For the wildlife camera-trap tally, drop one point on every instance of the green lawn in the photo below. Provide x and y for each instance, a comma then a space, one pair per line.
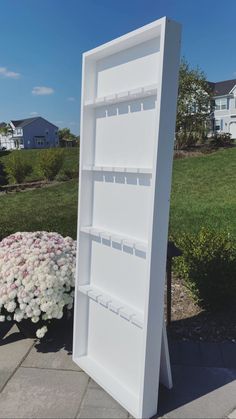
52, 209
203, 194
71, 160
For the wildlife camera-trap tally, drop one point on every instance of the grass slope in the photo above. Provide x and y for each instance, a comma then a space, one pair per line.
53, 208
203, 194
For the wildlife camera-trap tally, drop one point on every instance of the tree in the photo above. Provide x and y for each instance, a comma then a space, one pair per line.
66, 137
5, 129
194, 106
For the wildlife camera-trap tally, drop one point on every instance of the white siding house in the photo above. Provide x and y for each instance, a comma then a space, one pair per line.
6, 141
224, 115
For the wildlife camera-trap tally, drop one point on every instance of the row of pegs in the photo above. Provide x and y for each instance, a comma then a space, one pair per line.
137, 93
113, 305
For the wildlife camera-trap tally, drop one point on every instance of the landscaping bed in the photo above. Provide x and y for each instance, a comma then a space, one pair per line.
190, 322
20, 187
16, 187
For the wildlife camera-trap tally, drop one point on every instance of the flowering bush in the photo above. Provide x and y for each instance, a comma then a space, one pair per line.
37, 275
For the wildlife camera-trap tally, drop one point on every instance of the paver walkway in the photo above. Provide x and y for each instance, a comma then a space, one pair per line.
39, 380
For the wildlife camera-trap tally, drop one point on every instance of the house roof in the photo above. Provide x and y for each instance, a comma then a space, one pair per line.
3, 124
222, 88
21, 123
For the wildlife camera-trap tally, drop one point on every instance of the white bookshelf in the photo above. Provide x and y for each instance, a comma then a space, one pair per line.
129, 91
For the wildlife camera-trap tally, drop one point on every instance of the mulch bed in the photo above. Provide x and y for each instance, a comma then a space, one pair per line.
22, 187
190, 322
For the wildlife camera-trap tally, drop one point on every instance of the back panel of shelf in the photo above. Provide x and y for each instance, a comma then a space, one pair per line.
116, 204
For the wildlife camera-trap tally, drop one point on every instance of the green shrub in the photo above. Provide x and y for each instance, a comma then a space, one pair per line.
3, 175
222, 139
67, 174
17, 168
208, 267
62, 177
50, 162
71, 173
2, 180
185, 140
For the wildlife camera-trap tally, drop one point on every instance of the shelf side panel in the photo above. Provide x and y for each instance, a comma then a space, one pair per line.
162, 166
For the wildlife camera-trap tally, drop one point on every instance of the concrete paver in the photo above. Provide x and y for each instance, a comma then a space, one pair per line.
102, 412
40, 380
41, 393
12, 351
232, 415
199, 392
229, 354
190, 353
211, 354
60, 360
96, 397
98, 404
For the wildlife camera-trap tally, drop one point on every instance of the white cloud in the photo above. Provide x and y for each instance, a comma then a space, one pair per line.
33, 113
4, 72
71, 99
42, 90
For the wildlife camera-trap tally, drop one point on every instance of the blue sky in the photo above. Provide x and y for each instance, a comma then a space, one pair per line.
41, 42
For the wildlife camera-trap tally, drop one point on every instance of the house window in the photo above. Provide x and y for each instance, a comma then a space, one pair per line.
217, 125
39, 142
46, 132
192, 107
221, 104
18, 131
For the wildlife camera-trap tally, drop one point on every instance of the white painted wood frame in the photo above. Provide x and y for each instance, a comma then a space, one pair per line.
128, 113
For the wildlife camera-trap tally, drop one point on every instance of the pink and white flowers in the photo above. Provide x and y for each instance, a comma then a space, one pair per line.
37, 275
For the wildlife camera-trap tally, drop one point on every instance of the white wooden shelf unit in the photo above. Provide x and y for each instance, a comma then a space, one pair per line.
129, 91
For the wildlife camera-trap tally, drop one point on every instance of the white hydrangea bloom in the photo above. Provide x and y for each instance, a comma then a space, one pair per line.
41, 332
37, 275
10, 307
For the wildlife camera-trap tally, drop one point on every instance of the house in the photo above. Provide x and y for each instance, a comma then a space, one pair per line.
224, 115
4, 136
30, 133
